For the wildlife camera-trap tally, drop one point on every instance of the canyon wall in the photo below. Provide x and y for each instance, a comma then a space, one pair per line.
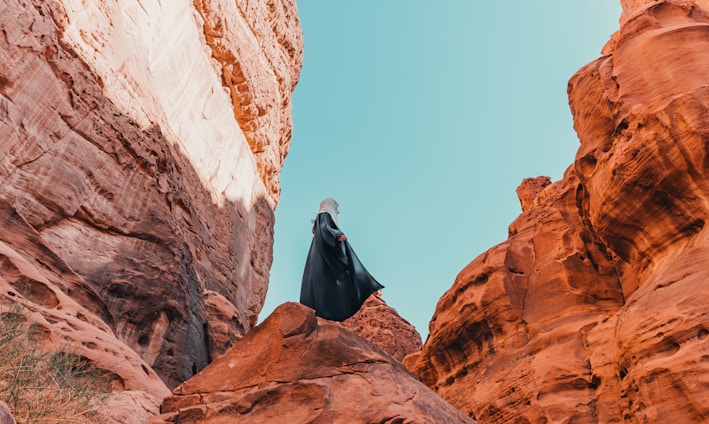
140, 146
594, 309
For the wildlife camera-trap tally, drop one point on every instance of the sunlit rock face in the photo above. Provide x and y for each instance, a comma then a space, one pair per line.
632, 7
140, 145
298, 368
506, 341
594, 309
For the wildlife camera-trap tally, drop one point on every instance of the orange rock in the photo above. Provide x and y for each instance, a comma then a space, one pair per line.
633, 7
529, 190
592, 310
261, 82
381, 325
295, 367
506, 339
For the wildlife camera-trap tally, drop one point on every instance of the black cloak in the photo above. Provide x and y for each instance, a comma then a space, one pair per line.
335, 283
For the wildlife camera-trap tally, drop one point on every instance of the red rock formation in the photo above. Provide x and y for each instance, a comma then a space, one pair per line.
632, 7
137, 217
297, 368
380, 324
260, 89
498, 336
529, 190
594, 309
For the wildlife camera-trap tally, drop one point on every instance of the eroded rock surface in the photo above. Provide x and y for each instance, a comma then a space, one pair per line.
633, 7
136, 201
594, 309
385, 328
257, 47
528, 191
297, 368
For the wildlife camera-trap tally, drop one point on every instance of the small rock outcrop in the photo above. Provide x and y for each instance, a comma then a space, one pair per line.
385, 328
528, 191
633, 7
298, 368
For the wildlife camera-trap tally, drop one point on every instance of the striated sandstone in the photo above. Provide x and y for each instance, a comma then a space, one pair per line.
594, 309
297, 368
381, 325
260, 83
215, 76
137, 214
653, 163
507, 342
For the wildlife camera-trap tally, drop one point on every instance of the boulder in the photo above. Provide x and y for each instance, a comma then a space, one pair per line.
298, 368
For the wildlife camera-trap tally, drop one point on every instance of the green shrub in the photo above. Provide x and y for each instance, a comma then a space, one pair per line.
43, 385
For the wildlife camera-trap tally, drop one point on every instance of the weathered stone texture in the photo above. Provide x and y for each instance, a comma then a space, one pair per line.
506, 340
261, 84
633, 7
297, 368
381, 325
594, 309
529, 190
137, 217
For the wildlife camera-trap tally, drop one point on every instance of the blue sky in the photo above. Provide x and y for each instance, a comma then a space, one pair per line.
421, 118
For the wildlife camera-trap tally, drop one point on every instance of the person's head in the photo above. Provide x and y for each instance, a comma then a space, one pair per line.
330, 206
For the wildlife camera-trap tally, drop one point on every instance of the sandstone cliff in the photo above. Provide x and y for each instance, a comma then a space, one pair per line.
139, 157
594, 309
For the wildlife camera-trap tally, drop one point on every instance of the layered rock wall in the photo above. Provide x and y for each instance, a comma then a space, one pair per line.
139, 153
594, 309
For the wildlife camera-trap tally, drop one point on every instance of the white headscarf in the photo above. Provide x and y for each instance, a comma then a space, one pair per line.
330, 206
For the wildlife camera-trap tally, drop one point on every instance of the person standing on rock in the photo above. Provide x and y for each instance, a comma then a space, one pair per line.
335, 283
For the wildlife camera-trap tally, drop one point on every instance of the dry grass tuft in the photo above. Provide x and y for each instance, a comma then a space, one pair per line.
43, 386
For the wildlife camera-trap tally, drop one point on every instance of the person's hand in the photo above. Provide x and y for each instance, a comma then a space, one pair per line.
341, 237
